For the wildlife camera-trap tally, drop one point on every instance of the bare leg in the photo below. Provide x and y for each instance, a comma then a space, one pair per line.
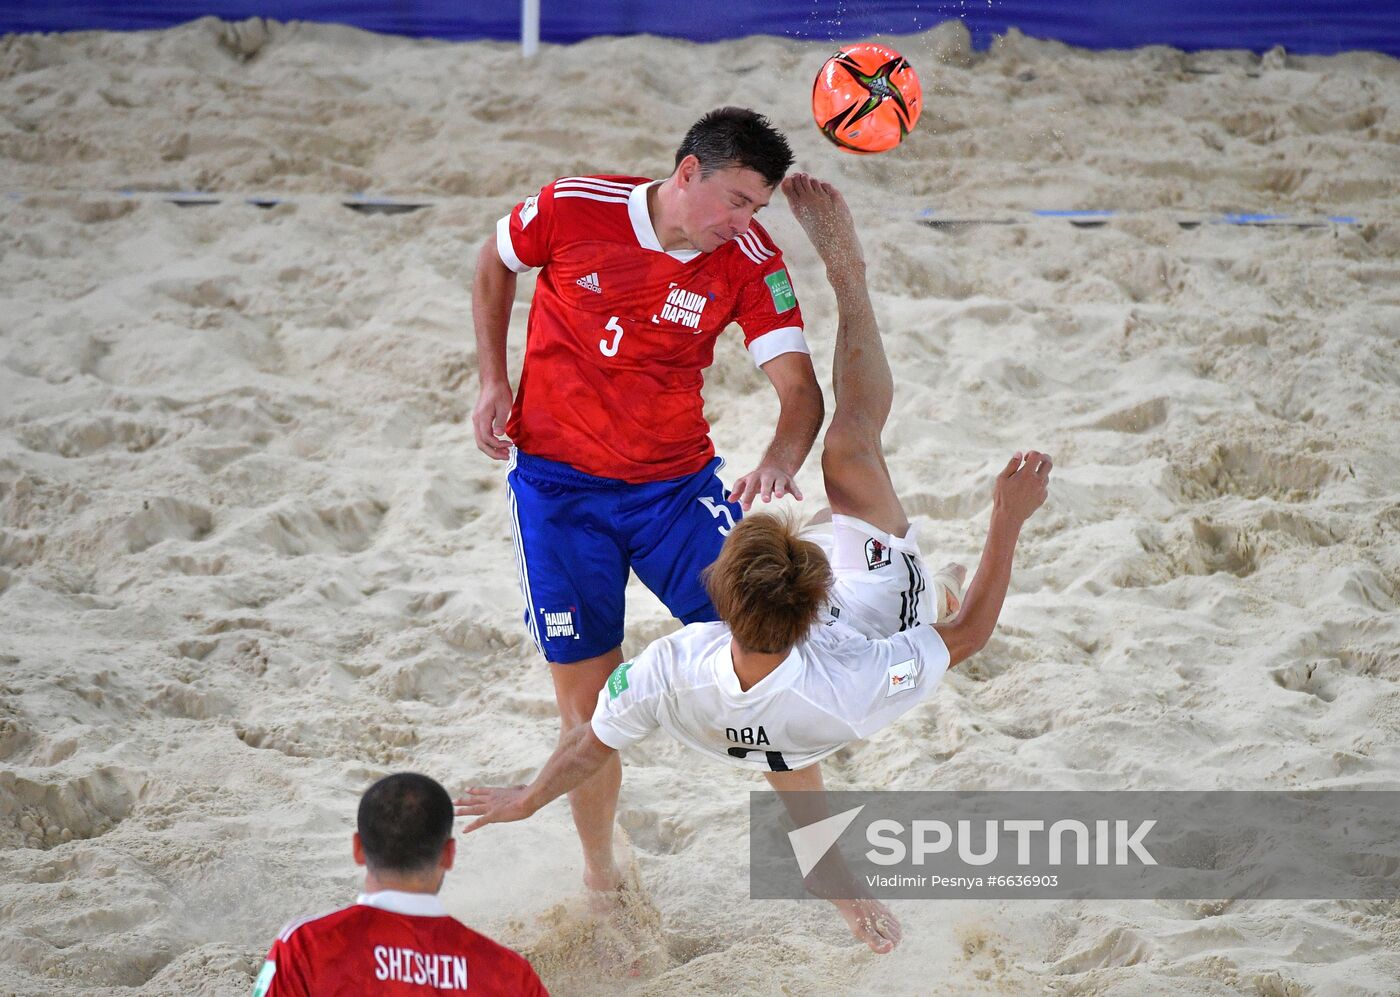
594, 804
871, 921
853, 464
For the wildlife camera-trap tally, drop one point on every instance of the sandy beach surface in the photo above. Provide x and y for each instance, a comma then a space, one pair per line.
251, 559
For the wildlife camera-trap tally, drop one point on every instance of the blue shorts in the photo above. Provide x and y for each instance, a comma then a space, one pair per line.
577, 536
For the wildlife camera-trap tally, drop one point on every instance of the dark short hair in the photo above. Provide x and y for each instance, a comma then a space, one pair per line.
768, 584
736, 136
404, 821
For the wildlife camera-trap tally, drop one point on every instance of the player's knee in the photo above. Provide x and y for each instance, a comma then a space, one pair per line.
849, 441
849, 461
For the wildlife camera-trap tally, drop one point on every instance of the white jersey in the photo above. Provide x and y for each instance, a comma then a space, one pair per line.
835, 686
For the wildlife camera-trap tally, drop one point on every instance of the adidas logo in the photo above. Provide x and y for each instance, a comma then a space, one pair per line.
590, 283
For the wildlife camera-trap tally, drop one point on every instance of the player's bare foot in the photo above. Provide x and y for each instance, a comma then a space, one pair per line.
823, 214
605, 887
627, 927
871, 922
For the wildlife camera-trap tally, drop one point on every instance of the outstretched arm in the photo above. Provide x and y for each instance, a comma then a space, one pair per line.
1020, 489
578, 756
799, 418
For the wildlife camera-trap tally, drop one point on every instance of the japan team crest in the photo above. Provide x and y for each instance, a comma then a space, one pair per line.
877, 555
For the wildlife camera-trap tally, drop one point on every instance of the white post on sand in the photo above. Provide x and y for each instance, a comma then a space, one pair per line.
529, 27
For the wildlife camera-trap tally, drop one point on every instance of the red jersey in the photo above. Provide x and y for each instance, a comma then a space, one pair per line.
621, 331
391, 943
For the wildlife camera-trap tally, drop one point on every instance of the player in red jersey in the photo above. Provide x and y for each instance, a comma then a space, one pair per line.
612, 469
396, 939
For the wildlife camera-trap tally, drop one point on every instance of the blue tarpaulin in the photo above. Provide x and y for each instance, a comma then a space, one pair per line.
1313, 27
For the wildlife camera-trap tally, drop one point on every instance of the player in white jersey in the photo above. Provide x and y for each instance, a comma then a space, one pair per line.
820, 643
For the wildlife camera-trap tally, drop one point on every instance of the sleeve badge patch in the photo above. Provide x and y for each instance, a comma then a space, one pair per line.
902, 677
781, 289
617, 681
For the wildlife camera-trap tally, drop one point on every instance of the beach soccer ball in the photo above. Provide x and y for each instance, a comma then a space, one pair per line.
866, 98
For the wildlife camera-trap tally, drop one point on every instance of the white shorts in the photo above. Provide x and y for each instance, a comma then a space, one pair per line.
882, 584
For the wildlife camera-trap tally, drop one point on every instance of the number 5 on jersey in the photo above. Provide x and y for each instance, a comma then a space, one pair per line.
717, 510
610, 349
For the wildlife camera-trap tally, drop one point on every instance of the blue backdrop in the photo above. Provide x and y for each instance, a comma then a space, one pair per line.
1304, 26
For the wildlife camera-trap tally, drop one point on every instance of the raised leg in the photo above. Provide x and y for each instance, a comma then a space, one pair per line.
853, 464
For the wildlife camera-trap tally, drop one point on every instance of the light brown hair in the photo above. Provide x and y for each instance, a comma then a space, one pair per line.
768, 584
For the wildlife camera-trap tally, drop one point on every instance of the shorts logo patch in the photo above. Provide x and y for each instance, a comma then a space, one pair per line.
877, 555
902, 677
617, 681
781, 289
559, 624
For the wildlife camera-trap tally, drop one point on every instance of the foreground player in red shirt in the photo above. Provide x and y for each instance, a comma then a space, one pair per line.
396, 939
612, 469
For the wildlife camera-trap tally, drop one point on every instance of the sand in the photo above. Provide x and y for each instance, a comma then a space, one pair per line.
250, 558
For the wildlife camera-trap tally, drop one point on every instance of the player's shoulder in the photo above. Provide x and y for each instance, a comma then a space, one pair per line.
301, 927
483, 945
693, 640
832, 636
838, 656
674, 657
755, 248
847, 650
591, 208
842, 670
761, 236
594, 192
610, 179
